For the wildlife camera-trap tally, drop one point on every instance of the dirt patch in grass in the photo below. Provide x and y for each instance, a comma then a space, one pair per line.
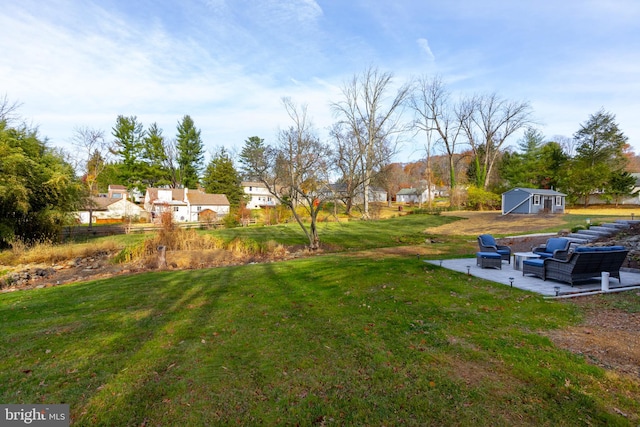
608, 336
494, 222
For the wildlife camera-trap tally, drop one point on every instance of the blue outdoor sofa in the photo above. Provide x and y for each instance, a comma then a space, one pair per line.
586, 262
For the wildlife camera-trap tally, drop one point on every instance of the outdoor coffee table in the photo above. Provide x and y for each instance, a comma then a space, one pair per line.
518, 257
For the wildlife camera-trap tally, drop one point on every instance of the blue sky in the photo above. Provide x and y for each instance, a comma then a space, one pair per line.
227, 63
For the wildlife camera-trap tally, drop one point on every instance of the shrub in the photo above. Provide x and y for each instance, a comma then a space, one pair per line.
480, 199
231, 220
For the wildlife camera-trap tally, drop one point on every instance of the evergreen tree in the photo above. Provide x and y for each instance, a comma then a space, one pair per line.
154, 153
221, 177
525, 168
552, 166
252, 158
128, 134
600, 155
518, 169
621, 185
190, 152
600, 140
110, 175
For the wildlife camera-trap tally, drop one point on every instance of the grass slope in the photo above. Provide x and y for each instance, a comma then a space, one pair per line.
336, 339
353, 235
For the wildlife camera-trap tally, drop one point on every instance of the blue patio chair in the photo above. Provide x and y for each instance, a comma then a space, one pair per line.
556, 247
488, 244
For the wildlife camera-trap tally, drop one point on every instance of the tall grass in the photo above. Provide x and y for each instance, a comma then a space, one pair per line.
193, 249
46, 252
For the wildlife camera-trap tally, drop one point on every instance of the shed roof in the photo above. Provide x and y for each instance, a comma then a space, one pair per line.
541, 191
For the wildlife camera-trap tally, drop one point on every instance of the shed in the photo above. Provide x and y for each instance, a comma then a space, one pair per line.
532, 201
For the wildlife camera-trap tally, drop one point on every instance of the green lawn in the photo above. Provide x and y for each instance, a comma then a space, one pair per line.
328, 340
352, 235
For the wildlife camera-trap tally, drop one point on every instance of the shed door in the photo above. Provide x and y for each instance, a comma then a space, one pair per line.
548, 204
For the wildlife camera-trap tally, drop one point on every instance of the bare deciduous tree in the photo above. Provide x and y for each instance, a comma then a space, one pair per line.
295, 171
373, 120
8, 110
434, 113
568, 144
170, 163
347, 162
488, 121
91, 157
91, 154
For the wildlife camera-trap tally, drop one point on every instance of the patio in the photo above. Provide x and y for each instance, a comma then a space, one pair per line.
630, 279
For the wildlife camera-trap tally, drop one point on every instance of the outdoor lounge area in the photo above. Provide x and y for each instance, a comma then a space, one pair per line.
555, 268
511, 277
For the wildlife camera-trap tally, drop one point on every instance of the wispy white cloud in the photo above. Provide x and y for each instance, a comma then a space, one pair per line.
294, 11
228, 62
424, 45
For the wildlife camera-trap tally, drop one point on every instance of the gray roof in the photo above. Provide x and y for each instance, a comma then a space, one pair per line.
541, 191
407, 192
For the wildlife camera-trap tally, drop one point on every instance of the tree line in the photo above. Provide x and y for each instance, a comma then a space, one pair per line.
372, 118
464, 141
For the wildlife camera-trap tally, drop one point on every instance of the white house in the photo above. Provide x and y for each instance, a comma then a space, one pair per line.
186, 205
414, 195
117, 192
339, 191
259, 195
377, 194
110, 209
120, 191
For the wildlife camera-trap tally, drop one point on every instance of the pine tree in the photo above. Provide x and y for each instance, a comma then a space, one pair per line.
190, 153
221, 177
600, 155
252, 158
155, 155
600, 140
128, 134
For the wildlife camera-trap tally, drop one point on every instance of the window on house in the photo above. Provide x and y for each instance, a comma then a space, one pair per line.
175, 209
198, 208
536, 199
558, 201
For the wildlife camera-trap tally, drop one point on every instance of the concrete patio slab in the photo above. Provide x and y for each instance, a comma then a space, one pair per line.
534, 284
